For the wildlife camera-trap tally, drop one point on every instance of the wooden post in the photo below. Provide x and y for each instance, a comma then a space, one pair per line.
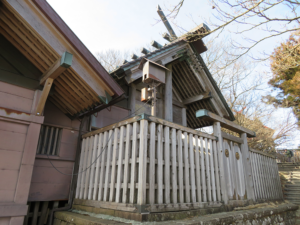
44, 96
152, 164
141, 200
160, 102
247, 166
167, 164
183, 114
217, 133
169, 95
153, 108
132, 94
174, 166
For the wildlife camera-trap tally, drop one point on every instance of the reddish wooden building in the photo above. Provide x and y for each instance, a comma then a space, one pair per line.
48, 78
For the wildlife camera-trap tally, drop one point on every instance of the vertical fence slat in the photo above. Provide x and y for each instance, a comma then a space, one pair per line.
159, 164
216, 164
217, 133
120, 164
276, 193
262, 177
142, 162
152, 164
174, 167
186, 169
207, 170
126, 165
247, 171
198, 171
270, 175
203, 170
258, 177
93, 167
167, 164
253, 175
103, 165
108, 162
87, 167
133, 176
113, 165
267, 177
180, 166
234, 169
100, 151
265, 180
86, 145
212, 171
192, 168
79, 184
228, 172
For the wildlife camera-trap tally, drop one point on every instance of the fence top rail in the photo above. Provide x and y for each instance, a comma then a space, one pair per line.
211, 117
232, 138
262, 153
157, 120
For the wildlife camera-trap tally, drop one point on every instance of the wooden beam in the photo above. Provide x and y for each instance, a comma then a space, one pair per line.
178, 103
232, 138
183, 115
209, 116
197, 98
44, 96
168, 95
58, 67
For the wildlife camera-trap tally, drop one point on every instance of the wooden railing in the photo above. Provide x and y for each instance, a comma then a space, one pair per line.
149, 161
267, 185
162, 166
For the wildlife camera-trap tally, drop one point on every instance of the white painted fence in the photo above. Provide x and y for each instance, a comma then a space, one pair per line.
267, 185
153, 162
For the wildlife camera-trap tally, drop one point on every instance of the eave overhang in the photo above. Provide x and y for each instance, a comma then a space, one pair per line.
35, 29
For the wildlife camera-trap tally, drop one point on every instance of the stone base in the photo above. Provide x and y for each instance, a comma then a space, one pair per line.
150, 217
261, 214
156, 212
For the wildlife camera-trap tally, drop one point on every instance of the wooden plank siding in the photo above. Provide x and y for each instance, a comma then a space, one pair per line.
19, 130
48, 184
12, 138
